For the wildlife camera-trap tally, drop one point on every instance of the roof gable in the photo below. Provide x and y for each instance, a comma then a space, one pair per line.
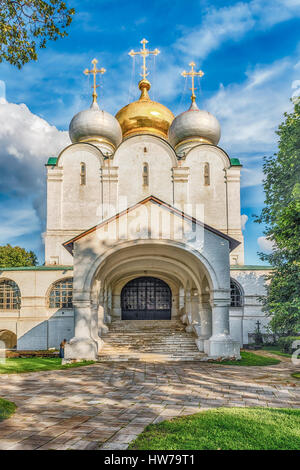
154, 200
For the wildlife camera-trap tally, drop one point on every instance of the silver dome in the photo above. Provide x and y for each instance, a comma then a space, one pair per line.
95, 125
195, 124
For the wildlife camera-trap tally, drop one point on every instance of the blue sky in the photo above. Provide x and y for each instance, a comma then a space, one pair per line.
249, 51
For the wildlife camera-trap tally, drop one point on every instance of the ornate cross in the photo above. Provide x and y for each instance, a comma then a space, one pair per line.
192, 73
144, 53
94, 72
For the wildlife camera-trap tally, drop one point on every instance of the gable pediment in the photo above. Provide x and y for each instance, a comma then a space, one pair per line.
152, 218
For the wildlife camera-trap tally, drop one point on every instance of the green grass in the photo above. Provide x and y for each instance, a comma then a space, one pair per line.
250, 359
224, 429
36, 364
296, 375
276, 350
7, 408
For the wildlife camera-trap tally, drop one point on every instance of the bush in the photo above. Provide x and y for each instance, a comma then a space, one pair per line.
285, 343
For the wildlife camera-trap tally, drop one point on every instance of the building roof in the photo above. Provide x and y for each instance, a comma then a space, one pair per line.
232, 242
51, 161
38, 268
235, 162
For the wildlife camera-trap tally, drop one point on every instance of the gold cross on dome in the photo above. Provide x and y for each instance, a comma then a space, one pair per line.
144, 53
94, 72
192, 73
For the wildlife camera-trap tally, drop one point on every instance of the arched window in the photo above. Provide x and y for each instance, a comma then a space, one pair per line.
61, 294
236, 295
145, 174
206, 174
10, 296
82, 174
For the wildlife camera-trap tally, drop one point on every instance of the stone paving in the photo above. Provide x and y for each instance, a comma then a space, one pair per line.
106, 405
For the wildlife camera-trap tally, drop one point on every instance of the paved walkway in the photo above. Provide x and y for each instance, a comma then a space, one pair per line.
105, 406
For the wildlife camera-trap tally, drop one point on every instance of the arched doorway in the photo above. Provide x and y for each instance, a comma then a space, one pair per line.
146, 298
8, 338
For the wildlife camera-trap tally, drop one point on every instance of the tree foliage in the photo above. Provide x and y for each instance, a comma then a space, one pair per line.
281, 215
26, 25
14, 256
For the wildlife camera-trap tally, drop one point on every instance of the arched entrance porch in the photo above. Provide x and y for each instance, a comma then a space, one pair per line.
200, 296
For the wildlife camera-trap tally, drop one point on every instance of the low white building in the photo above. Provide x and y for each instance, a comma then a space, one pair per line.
143, 223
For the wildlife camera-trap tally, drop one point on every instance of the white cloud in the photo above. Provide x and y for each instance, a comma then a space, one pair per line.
265, 244
244, 220
251, 111
17, 222
217, 27
27, 141
251, 177
233, 23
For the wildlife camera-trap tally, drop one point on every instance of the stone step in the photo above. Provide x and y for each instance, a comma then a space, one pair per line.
149, 340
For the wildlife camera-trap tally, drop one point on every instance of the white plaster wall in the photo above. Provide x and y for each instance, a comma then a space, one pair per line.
72, 207
81, 204
35, 324
129, 158
213, 197
244, 320
221, 201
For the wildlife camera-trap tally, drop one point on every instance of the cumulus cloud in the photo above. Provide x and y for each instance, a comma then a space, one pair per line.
244, 220
234, 22
251, 111
265, 244
27, 141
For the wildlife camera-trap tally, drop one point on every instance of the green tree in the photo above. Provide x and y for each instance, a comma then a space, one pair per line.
26, 25
281, 215
14, 256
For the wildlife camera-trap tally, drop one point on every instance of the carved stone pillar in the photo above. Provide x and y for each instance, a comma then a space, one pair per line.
82, 345
205, 313
220, 344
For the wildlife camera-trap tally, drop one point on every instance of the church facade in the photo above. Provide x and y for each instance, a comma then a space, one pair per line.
143, 223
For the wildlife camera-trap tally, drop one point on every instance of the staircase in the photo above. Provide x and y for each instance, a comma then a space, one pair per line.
149, 340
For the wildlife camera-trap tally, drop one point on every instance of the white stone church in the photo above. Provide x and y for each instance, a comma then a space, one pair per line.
143, 228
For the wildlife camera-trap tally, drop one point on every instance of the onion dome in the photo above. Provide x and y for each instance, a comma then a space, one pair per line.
193, 127
96, 126
145, 116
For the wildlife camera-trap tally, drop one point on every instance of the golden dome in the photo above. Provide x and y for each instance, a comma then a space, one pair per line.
145, 116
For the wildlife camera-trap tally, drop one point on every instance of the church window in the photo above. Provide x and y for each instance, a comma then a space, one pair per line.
206, 174
236, 295
145, 174
61, 294
82, 174
10, 296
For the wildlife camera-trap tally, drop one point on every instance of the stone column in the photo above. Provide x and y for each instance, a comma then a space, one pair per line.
205, 331
188, 310
95, 325
220, 344
103, 328
82, 345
